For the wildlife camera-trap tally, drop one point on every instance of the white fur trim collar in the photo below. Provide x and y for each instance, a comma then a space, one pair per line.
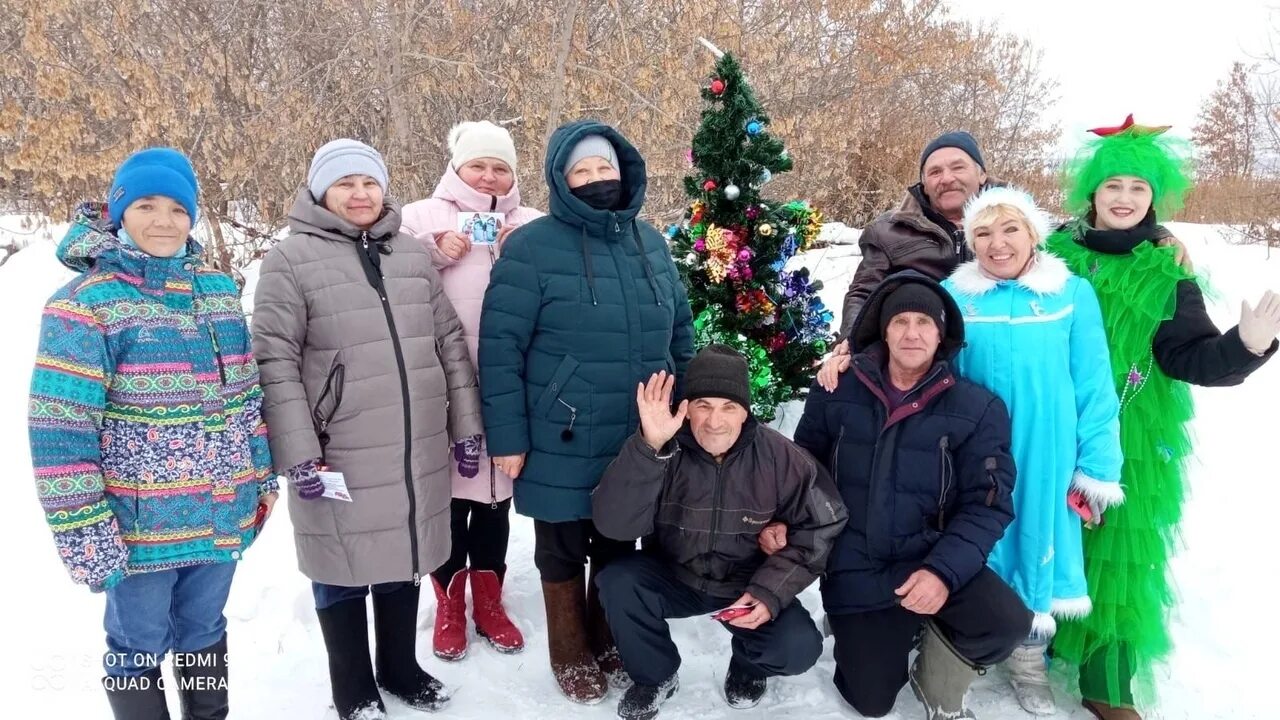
1048, 275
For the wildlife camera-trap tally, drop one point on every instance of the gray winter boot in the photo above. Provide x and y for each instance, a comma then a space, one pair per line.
1030, 678
940, 677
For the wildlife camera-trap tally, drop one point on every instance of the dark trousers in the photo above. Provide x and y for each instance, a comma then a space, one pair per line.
479, 533
327, 596
640, 593
561, 550
984, 621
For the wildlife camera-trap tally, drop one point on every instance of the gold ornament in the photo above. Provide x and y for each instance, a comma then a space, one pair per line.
765, 230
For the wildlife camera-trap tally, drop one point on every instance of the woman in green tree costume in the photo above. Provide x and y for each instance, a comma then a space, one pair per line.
1160, 339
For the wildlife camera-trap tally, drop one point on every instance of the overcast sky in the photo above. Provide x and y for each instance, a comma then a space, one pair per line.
1113, 57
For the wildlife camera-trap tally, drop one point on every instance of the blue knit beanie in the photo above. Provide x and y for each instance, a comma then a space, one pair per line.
956, 139
154, 171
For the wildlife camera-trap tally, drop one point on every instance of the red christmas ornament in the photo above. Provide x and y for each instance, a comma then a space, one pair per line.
709, 185
717, 86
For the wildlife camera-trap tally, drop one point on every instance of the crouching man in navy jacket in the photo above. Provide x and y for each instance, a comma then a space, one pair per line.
921, 460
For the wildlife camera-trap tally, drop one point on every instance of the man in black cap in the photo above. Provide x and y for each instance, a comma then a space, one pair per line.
923, 232
698, 492
921, 459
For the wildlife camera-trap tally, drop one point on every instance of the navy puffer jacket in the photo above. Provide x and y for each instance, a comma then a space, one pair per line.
927, 485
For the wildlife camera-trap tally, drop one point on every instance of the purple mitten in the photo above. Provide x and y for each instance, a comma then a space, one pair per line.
467, 452
305, 476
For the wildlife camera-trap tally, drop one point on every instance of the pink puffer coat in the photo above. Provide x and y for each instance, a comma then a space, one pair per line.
465, 281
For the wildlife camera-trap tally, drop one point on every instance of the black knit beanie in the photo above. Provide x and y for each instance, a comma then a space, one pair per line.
718, 371
913, 297
956, 139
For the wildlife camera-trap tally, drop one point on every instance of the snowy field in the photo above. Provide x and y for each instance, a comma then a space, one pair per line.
53, 635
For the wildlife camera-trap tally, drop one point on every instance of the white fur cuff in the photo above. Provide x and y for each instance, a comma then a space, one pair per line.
1102, 492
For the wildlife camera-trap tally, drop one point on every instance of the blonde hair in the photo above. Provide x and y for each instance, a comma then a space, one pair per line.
998, 203
993, 214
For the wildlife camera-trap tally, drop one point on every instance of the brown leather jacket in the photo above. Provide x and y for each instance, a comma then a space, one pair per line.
902, 239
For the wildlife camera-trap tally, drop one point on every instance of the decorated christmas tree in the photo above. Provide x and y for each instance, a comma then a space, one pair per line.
734, 246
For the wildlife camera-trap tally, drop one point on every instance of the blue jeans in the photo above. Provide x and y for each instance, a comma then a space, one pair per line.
329, 595
150, 614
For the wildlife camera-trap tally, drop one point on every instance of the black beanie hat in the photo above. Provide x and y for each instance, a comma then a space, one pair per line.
913, 297
956, 139
718, 371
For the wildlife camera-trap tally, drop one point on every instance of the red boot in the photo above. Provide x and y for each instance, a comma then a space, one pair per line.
492, 622
449, 641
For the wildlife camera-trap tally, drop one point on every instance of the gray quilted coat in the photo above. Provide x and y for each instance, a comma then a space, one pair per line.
363, 364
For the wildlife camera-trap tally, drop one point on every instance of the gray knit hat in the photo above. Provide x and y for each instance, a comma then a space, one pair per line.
718, 371
591, 146
339, 158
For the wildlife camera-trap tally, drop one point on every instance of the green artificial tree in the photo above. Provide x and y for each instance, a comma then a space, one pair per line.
734, 245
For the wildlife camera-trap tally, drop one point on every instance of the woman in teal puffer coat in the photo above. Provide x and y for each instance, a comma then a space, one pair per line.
582, 306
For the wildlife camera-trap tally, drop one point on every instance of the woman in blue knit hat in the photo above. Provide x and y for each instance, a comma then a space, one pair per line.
147, 438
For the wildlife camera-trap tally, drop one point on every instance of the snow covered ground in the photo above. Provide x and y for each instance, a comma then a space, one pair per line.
53, 635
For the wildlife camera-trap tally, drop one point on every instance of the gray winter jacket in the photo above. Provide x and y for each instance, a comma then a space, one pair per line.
359, 346
705, 517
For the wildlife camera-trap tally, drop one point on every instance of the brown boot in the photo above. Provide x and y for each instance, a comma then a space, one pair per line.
576, 671
1103, 711
600, 640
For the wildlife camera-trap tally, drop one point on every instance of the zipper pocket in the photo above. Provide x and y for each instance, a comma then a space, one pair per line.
991, 466
946, 471
333, 384
217, 354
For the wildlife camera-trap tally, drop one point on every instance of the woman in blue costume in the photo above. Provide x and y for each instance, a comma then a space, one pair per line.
1036, 339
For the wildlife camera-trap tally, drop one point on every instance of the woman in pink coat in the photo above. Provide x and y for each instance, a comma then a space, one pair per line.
480, 178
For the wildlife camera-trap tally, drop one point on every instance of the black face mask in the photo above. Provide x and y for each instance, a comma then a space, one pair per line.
601, 194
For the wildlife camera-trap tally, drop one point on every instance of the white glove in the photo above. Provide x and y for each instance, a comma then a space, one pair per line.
1259, 326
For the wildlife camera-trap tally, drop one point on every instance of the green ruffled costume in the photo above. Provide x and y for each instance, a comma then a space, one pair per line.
1117, 646
1126, 559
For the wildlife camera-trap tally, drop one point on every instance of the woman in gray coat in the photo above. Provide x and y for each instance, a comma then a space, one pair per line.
367, 378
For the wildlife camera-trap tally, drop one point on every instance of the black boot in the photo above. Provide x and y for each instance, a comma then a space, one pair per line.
641, 702
137, 698
395, 626
202, 682
345, 626
742, 687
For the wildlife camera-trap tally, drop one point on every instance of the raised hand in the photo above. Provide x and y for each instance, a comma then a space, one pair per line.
1260, 325
657, 424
